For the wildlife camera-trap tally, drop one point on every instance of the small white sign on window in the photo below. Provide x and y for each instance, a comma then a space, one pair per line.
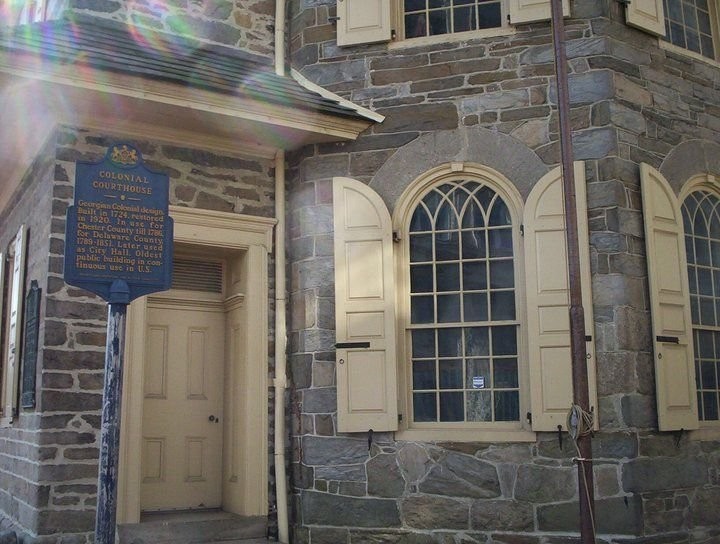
478, 382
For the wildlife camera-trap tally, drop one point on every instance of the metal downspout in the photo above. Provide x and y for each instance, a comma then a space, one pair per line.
280, 382
280, 350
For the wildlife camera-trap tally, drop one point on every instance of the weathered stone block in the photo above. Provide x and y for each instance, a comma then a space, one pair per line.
621, 515
639, 411
63, 473
545, 484
587, 88
617, 290
418, 117
60, 401
51, 380
502, 516
607, 480
413, 461
324, 535
663, 473
384, 477
616, 373
594, 143
426, 512
704, 509
633, 329
334, 451
342, 473
459, 475
336, 510
320, 400
615, 445
314, 220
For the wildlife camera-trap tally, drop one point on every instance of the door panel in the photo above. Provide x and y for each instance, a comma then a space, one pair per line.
182, 434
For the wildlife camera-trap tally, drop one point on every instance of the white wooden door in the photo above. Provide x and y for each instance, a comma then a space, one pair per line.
182, 420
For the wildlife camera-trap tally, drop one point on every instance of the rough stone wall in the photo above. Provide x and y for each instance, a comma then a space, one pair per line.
631, 101
245, 24
20, 451
57, 493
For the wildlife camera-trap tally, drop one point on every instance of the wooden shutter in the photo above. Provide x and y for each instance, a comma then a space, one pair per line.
669, 303
528, 11
364, 310
363, 21
13, 358
647, 15
548, 299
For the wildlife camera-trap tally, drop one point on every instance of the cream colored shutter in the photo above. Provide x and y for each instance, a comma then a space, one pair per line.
363, 21
669, 303
12, 374
364, 310
527, 11
647, 15
546, 269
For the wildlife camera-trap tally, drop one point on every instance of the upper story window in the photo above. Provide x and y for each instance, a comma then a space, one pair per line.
435, 17
369, 21
692, 25
701, 222
22, 12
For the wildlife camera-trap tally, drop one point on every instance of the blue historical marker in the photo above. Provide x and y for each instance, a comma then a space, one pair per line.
118, 245
118, 229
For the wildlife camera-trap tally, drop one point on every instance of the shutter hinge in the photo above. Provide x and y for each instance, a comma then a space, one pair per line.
529, 417
522, 230
396, 236
508, 18
393, 34
333, 20
399, 418
623, 2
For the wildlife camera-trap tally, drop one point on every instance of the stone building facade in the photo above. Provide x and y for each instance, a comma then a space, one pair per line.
474, 107
491, 101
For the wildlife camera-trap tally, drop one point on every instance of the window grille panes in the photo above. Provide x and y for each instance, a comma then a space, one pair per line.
701, 220
688, 24
463, 320
434, 17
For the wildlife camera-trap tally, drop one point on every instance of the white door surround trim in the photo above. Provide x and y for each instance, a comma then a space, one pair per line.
233, 235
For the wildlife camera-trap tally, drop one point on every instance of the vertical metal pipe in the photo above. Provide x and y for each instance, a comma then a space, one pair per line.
280, 351
577, 314
110, 432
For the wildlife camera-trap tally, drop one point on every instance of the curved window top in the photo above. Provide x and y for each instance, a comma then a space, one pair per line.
463, 324
701, 221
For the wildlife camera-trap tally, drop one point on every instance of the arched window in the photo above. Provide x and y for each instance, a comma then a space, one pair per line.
463, 313
701, 222
452, 316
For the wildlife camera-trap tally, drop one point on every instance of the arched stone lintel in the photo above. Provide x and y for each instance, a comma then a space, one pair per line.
689, 159
493, 149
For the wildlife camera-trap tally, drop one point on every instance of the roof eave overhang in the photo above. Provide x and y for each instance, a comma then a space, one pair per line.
37, 95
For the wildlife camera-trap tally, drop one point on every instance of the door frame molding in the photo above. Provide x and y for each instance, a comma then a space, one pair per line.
208, 230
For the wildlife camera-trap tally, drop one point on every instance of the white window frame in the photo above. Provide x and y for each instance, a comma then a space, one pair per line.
372, 21
711, 184
399, 26
649, 15
714, 9
36, 11
12, 324
515, 431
